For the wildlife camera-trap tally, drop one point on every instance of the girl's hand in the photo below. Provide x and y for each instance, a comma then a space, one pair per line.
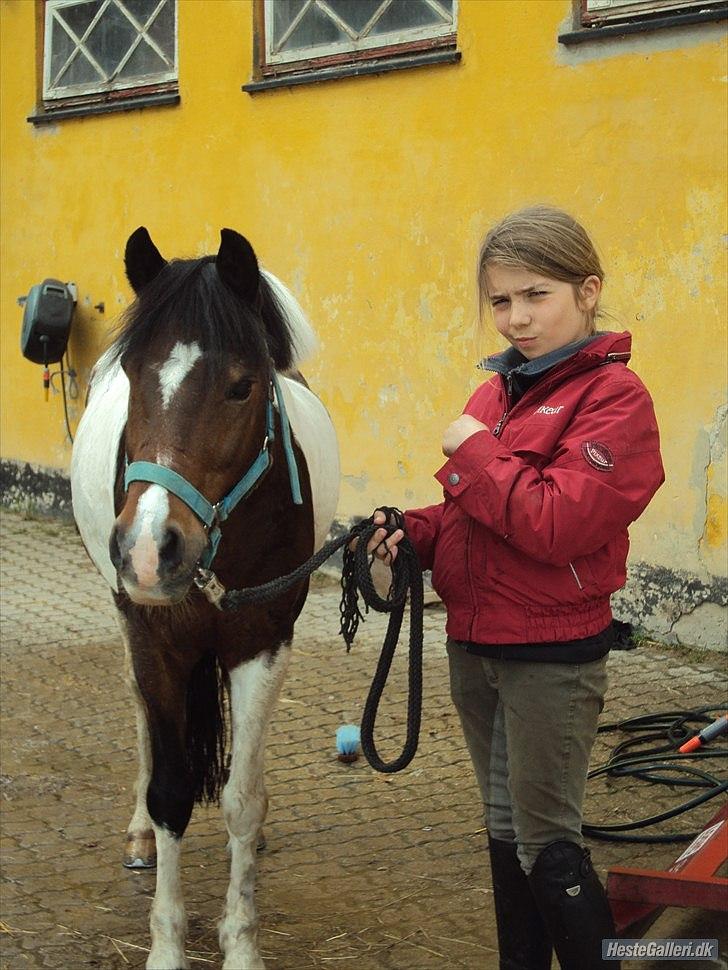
459, 431
384, 547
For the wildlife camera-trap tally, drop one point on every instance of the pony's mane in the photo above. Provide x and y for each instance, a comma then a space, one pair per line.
188, 301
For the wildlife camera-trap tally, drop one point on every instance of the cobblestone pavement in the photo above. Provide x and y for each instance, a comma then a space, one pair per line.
362, 870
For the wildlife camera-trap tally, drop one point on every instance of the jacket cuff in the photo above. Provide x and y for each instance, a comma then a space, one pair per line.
467, 463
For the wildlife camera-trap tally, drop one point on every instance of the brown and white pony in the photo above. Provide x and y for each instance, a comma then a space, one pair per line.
196, 388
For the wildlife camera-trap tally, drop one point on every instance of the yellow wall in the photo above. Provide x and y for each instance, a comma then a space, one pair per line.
369, 197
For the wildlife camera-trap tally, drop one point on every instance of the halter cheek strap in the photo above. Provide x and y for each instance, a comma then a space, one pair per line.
211, 515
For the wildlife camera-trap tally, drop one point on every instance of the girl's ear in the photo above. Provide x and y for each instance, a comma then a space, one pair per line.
237, 265
142, 259
589, 292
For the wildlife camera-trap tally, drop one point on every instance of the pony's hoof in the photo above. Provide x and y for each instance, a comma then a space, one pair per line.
140, 851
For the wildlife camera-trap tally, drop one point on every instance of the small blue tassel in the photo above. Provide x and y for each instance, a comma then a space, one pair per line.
348, 741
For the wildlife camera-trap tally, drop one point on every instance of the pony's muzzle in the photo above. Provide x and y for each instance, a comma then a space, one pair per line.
160, 569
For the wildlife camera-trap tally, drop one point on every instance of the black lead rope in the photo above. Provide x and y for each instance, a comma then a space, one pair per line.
356, 579
406, 578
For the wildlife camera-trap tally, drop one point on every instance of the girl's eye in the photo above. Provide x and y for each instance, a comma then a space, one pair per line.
537, 293
240, 390
498, 303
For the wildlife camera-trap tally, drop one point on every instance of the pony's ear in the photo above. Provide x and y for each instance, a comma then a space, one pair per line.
237, 265
142, 259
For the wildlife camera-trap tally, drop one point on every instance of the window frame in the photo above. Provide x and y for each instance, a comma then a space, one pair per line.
163, 87
631, 13
295, 66
604, 29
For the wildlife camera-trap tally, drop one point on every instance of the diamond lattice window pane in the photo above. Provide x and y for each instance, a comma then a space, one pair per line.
406, 15
162, 31
315, 28
78, 16
355, 13
80, 71
111, 39
62, 48
144, 60
141, 10
284, 13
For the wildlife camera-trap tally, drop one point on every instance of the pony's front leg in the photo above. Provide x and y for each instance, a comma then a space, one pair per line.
254, 689
170, 797
168, 922
140, 850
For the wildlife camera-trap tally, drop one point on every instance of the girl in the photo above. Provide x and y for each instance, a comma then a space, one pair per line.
548, 465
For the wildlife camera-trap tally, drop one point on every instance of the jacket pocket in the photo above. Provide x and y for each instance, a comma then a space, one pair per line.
604, 571
540, 584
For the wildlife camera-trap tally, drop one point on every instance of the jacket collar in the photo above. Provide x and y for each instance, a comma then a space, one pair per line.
600, 347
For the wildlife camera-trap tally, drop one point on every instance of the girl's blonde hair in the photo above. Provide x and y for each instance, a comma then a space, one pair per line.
546, 240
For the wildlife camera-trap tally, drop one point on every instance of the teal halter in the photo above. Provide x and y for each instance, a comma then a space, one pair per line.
211, 515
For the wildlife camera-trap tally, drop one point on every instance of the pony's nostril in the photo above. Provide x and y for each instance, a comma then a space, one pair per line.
171, 551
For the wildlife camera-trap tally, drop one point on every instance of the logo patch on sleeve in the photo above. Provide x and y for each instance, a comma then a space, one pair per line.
598, 455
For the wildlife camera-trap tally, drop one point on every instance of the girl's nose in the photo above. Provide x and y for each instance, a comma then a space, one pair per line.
520, 314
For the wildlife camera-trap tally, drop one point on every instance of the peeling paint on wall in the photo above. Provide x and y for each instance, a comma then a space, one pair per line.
674, 606
714, 534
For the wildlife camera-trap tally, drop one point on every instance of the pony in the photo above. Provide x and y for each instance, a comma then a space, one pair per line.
202, 446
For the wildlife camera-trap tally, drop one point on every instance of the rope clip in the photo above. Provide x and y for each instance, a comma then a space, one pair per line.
208, 583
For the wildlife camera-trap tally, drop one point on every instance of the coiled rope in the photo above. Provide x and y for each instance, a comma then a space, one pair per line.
357, 579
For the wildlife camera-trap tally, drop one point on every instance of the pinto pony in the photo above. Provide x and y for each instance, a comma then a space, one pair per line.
201, 387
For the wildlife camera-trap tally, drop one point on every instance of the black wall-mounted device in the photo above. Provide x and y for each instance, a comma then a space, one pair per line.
46, 322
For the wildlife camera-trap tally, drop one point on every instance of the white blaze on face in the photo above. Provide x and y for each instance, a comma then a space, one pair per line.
148, 528
181, 360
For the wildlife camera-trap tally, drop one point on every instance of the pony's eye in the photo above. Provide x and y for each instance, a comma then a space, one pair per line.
240, 390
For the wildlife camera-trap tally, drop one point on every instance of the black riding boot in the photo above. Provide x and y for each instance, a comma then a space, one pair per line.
523, 942
574, 906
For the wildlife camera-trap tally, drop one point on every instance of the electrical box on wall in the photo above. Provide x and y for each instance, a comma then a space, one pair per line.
46, 322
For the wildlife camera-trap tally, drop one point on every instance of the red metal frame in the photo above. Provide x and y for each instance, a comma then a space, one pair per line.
638, 896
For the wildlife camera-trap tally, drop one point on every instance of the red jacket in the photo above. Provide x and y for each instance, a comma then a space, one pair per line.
531, 538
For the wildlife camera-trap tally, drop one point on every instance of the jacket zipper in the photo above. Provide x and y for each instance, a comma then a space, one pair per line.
509, 387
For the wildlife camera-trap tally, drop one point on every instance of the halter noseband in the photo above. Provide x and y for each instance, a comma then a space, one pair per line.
211, 515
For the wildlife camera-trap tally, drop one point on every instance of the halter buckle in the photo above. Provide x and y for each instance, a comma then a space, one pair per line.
208, 583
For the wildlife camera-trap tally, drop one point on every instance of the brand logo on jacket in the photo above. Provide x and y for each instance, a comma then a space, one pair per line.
598, 455
545, 409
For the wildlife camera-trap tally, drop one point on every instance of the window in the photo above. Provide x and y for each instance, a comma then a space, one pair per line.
598, 12
301, 35
108, 50
605, 19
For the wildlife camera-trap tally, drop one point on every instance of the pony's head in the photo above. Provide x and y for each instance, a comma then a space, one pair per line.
198, 346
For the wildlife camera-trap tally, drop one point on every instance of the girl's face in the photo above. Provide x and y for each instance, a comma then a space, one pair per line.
537, 314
